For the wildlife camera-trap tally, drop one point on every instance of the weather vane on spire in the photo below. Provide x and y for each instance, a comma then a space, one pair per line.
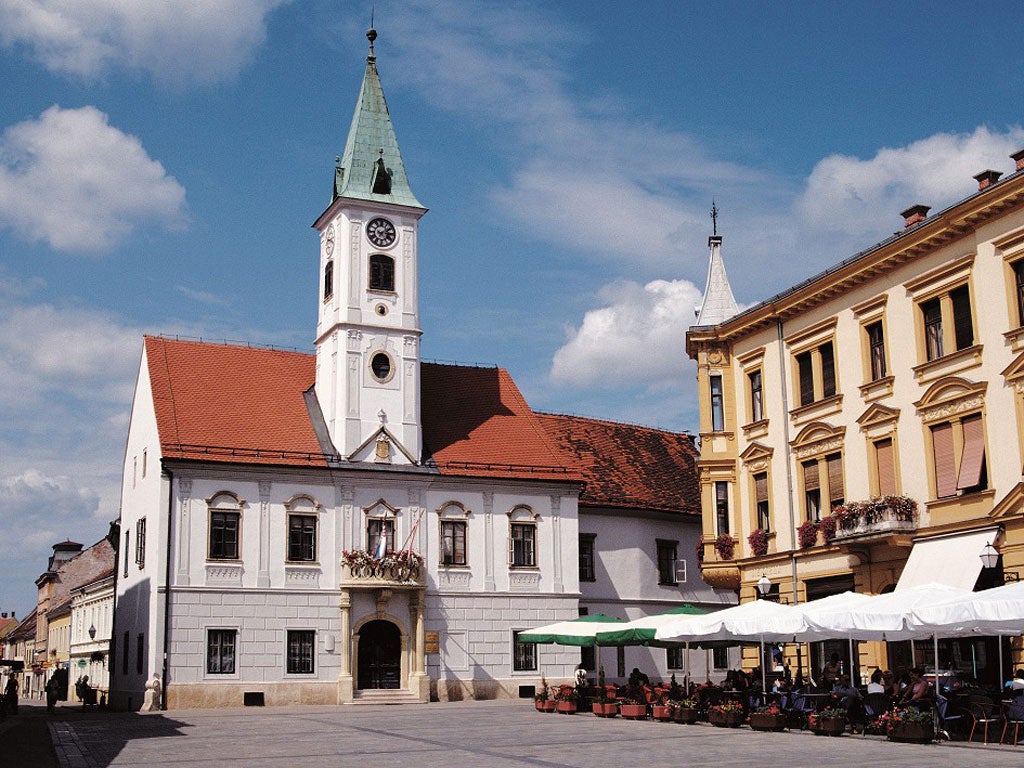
714, 218
371, 33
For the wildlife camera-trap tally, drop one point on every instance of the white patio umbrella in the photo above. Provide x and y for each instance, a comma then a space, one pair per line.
881, 617
996, 611
758, 621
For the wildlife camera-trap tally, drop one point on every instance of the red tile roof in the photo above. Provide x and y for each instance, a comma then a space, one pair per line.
226, 403
476, 422
219, 402
630, 467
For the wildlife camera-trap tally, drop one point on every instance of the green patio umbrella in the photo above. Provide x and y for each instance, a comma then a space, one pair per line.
642, 631
580, 632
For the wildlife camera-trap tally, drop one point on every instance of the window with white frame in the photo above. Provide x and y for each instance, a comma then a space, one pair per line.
220, 651
667, 556
140, 542
522, 541
225, 523
674, 658
453, 530
587, 572
524, 655
301, 645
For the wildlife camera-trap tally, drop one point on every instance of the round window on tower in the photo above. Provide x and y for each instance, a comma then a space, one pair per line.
380, 366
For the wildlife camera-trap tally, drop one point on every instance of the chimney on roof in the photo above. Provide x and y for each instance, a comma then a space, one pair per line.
987, 178
1018, 158
915, 214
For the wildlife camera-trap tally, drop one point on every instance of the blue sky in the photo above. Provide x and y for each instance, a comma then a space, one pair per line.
161, 164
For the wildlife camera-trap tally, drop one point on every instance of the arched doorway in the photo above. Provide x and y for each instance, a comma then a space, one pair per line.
380, 655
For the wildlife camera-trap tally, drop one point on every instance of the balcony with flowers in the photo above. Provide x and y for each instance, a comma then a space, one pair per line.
883, 516
402, 569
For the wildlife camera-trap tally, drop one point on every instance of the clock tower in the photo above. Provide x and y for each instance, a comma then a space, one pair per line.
368, 331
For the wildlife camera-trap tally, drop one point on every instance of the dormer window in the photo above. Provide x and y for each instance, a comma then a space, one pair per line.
381, 178
382, 272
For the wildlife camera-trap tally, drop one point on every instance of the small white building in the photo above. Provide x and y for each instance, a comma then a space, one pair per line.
92, 613
257, 483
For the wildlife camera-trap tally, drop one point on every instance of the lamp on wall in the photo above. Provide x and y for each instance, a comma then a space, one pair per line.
990, 559
764, 585
92, 631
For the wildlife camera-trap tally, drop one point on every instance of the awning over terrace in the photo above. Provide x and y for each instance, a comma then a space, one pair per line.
952, 559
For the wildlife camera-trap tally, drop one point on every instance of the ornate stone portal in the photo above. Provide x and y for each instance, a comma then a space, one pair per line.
372, 598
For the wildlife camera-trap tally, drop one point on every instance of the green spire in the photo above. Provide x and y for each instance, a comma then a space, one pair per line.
371, 167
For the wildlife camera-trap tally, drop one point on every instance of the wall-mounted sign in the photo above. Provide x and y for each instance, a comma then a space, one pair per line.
433, 641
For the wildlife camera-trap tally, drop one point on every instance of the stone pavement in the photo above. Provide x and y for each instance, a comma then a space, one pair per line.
489, 734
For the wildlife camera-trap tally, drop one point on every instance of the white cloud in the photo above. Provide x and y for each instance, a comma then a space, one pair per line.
858, 197
66, 381
78, 352
636, 338
181, 42
73, 180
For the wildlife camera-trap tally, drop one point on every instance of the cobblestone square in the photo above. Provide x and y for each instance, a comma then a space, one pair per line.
489, 734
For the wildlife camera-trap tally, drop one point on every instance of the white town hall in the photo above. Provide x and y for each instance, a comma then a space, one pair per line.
259, 483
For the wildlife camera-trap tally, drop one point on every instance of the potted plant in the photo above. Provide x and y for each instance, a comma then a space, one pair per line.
542, 698
830, 721
684, 711
768, 718
807, 534
633, 705
725, 546
566, 699
661, 709
728, 714
907, 724
632, 708
604, 705
758, 541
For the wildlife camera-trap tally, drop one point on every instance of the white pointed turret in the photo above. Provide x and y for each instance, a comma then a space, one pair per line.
719, 304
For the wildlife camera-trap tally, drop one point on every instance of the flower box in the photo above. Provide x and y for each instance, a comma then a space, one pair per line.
633, 711
914, 733
662, 713
686, 715
768, 721
606, 709
545, 705
835, 726
565, 707
728, 719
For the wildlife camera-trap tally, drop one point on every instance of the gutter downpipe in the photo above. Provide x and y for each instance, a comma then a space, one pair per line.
789, 463
789, 475
167, 589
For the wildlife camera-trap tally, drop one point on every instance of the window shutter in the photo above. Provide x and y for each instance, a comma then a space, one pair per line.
836, 492
761, 487
885, 459
811, 481
828, 369
945, 462
962, 325
805, 373
974, 454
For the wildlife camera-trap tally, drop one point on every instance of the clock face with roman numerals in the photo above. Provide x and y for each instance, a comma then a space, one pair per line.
329, 245
381, 232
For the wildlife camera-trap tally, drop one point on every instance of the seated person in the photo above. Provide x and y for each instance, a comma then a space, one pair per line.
846, 696
638, 679
1016, 683
918, 692
877, 684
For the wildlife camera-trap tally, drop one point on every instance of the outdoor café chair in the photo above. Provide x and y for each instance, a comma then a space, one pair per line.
984, 714
1014, 716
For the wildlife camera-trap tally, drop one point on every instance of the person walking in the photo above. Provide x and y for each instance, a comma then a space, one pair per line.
52, 689
11, 694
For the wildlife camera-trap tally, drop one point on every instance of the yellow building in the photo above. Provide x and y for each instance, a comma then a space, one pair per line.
899, 372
